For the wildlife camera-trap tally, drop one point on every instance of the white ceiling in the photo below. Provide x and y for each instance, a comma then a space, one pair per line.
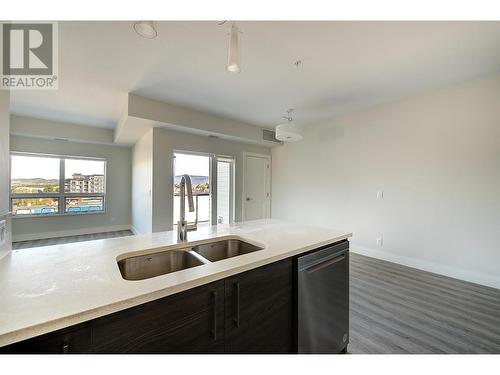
346, 66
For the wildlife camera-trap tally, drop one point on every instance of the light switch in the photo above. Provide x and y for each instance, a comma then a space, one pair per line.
380, 194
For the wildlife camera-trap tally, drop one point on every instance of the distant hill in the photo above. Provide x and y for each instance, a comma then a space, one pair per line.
195, 180
34, 181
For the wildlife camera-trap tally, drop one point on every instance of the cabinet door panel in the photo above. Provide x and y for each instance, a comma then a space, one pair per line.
187, 322
74, 339
259, 310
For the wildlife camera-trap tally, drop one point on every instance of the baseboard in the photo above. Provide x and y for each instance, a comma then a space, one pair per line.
423, 265
75, 232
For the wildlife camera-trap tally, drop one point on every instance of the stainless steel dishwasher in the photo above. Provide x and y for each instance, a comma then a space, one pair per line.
323, 300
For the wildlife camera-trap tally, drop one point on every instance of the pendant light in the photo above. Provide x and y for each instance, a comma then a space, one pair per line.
233, 53
288, 132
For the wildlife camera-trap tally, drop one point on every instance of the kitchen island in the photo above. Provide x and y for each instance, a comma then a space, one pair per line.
78, 291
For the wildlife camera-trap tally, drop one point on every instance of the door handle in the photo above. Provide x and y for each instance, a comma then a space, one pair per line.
65, 348
249, 199
214, 323
236, 319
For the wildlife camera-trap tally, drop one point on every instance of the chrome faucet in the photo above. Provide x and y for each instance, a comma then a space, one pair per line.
182, 225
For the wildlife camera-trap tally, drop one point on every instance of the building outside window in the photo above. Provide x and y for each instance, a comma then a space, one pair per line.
79, 183
44, 185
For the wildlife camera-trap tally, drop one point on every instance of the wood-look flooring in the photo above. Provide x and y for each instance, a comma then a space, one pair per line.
70, 239
397, 309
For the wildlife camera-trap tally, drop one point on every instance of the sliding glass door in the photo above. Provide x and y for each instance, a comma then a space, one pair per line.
212, 185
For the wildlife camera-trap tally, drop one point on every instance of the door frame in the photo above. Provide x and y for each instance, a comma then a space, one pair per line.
268, 185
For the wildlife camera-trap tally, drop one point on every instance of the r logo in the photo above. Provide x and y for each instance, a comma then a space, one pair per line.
27, 49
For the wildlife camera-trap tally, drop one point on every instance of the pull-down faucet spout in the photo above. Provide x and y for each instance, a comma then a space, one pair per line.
182, 226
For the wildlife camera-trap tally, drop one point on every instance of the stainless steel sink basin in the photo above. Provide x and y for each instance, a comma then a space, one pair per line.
223, 249
140, 267
146, 266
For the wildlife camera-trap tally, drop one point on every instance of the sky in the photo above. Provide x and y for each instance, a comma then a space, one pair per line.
48, 168
83, 166
192, 165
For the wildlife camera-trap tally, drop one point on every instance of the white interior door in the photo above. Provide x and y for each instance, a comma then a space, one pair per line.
257, 187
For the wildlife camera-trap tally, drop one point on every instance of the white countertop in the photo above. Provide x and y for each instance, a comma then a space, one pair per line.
48, 288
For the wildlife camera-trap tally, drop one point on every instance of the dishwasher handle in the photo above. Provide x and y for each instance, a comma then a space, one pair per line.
324, 262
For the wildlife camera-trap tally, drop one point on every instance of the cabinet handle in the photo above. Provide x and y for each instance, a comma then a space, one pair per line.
65, 348
237, 296
214, 323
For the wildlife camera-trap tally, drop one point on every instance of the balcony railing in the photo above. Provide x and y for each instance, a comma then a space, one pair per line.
196, 197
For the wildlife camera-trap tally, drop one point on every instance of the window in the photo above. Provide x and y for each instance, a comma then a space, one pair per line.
212, 185
44, 185
224, 190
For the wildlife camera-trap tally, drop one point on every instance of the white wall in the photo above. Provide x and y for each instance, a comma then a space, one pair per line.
4, 151
4, 168
118, 188
142, 185
165, 142
48, 129
437, 159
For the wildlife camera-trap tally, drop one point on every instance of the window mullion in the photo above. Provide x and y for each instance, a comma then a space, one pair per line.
62, 203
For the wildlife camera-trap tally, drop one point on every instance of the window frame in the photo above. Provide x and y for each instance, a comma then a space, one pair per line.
61, 195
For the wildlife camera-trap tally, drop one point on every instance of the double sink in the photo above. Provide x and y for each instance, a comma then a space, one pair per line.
142, 267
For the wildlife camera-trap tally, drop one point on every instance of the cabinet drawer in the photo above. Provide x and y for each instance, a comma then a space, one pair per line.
74, 339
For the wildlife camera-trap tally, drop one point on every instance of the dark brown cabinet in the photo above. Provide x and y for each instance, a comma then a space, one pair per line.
74, 339
187, 322
259, 310
247, 313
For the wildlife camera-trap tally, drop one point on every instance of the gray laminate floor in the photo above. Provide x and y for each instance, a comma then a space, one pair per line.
397, 309
69, 239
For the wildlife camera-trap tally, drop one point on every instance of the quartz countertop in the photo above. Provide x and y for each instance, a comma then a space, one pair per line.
48, 288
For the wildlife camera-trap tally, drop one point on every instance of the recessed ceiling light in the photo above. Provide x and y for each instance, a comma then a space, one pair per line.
146, 29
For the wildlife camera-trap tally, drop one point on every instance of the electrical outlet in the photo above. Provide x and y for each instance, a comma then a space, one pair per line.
380, 241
